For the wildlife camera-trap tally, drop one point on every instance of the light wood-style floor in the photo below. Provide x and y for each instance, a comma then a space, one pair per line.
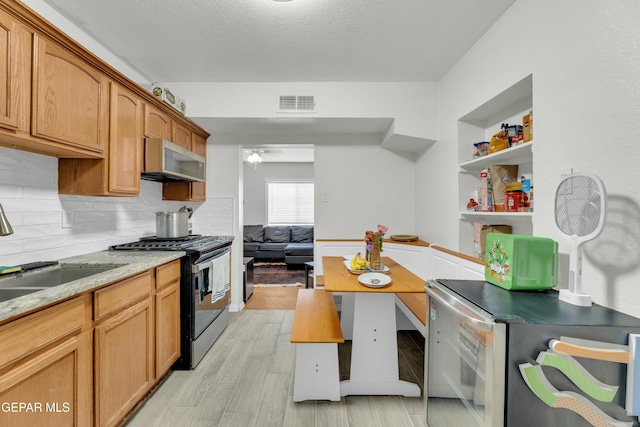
246, 379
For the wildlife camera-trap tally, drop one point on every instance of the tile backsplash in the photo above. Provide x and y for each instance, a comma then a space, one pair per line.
50, 226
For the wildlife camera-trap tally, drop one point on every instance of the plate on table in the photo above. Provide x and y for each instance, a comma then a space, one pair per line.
374, 280
348, 257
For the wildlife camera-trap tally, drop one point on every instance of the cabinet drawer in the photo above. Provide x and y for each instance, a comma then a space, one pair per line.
121, 294
167, 273
30, 333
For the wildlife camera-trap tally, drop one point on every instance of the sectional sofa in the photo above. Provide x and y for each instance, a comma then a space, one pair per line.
292, 244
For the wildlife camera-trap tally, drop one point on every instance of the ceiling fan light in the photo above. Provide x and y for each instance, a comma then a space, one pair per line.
255, 157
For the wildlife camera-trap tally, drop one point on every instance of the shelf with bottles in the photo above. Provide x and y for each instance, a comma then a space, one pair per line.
508, 107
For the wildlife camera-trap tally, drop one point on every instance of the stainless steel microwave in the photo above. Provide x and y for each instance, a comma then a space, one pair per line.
165, 161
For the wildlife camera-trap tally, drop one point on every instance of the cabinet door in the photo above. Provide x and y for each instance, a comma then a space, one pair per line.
181, 136
69, 99
198, 189
156, 123
55, 387
15, 70
167, 312
125, 142
123, 362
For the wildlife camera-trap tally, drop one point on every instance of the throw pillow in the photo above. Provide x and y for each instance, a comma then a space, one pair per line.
301, 234
253, 233
277, 234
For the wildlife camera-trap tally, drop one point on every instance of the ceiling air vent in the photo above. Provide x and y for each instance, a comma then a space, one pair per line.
297, 104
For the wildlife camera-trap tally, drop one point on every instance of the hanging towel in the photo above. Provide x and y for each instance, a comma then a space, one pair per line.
219, 279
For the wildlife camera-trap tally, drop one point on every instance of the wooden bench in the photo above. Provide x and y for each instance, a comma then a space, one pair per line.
316, 333
441, 263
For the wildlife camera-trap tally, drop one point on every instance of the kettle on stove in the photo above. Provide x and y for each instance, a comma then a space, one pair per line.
189, 211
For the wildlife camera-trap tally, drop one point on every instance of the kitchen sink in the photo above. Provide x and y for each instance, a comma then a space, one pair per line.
54, 276
7, 294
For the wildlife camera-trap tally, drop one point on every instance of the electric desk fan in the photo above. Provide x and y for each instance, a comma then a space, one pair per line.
580, 212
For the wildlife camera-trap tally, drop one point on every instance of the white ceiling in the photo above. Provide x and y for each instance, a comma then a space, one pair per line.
297, 41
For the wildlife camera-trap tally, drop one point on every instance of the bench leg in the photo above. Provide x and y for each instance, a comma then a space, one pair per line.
316, 374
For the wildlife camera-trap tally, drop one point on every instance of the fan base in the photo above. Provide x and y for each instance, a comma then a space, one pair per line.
583, 300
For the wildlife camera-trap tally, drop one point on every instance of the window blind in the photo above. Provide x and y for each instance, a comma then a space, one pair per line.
290, 202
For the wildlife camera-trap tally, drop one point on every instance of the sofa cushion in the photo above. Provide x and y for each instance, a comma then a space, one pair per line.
277, 234
253, 233
301, 234
251, 246
273, 247
299, 249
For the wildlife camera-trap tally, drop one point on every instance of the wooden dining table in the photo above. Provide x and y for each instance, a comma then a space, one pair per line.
374, 355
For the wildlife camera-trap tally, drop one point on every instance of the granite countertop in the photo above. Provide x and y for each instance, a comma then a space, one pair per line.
127, 263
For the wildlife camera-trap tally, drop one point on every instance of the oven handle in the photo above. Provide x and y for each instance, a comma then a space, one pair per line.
197, 268
459, 309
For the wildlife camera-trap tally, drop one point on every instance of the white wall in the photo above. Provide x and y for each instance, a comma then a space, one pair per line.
254, 203
29, 196
412, 105
366, 186
584, 57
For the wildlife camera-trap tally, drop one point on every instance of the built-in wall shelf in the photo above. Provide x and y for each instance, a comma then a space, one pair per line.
514, 155
497, 215
480, 124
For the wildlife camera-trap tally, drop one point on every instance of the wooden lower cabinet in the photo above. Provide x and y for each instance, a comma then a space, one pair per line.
52, 388
124, 360
89, 360
167, 311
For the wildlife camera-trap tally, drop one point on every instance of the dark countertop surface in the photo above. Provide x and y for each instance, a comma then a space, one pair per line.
534, 307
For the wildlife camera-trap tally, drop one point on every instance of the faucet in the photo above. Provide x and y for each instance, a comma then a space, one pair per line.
5, 227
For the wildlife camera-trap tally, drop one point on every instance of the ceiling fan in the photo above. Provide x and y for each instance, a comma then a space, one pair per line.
255, 156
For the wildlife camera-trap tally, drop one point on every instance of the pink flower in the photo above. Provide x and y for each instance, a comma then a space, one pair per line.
382, 228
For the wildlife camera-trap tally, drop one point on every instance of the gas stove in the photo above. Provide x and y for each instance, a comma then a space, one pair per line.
194, 242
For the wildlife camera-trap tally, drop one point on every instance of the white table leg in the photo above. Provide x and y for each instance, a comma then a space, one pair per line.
374, 354
346, 315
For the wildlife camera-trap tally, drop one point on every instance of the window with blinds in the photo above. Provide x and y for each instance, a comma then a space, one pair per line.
289, 202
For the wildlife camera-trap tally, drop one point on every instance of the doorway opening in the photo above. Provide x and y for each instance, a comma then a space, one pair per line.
278, 212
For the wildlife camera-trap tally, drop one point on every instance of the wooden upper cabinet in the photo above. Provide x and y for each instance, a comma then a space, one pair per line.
125, 142
156, 123
118, 174
181, 136
15, 70
198, 189
69, 99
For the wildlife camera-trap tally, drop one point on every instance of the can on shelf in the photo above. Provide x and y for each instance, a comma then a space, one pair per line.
513, 200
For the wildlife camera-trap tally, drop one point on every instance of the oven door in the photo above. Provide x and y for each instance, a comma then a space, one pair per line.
211, 282
464, 363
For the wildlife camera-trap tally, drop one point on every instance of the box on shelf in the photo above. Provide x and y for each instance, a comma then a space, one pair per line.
160, 91
527, 127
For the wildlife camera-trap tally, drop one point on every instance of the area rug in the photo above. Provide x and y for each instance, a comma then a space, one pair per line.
268, 274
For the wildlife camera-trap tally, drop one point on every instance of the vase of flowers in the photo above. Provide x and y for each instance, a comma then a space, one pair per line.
373, 243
